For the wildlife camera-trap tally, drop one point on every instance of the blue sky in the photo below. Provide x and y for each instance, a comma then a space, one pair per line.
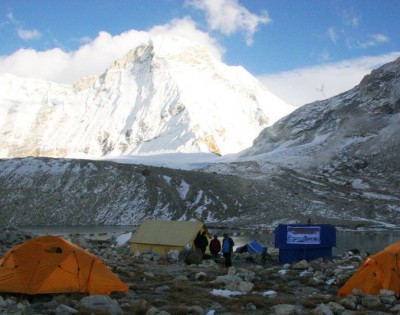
302, 50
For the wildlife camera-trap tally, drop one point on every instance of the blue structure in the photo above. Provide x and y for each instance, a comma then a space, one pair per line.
304, 241
252, 248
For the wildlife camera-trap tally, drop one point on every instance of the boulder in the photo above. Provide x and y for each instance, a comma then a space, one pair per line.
301, 265
241, 286
100, 303
322, 309
285, 309
193, 257
65, 309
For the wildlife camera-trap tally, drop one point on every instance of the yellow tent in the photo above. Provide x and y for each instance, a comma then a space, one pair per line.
50, 264
160, 237
379, 271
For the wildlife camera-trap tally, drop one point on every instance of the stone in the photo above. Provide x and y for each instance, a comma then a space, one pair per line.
10, 301
322, 309
294, 283
317, 281
336, 308
193, 257
141, 306
388, 300
370, 301
301, 265
148, 274
383, 292
250, 307
270, 294
200, 275
152, 311
357, 292
100, 303
246, 274
181, 278
284, 309
241, 286
65, 309
21, 307
173, 255
163, 288
231, 270
196, 310
155, 311
227, 279
349, 302
395, 309
80, 241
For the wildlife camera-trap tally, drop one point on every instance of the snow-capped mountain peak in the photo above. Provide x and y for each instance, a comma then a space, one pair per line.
166, 95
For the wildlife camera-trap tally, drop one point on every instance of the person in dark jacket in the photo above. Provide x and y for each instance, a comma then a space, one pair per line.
197, 240
227, 249
203, 242
215, 246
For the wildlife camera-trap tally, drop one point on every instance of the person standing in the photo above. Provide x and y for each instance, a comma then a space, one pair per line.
227, 249
197, 240
215, 246
203, 242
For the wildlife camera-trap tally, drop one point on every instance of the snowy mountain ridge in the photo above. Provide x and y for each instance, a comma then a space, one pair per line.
167, 95
335, 161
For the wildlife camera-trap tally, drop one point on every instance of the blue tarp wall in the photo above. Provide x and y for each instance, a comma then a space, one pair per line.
304, 241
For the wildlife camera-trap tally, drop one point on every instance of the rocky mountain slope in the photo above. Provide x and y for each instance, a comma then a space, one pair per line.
344, 151
335, 161
167, 95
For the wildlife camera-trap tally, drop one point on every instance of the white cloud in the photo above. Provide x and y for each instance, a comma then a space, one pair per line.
375, 39
66, 67
229, 17
11, 18
305, 85
24, 34
187, 28
324, 55
84, 40
355, 21
332, 34
350, 19
380, 38
28, 34
97, 55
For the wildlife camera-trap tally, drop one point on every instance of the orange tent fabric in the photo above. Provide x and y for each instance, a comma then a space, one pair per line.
50, 264
379, 271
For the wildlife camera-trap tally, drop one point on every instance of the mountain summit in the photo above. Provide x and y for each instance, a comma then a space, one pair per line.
167, 95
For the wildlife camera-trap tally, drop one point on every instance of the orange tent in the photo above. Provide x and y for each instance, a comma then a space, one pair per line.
50, 264
379, 271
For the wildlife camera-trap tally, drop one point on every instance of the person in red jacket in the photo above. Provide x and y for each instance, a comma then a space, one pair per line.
215, 246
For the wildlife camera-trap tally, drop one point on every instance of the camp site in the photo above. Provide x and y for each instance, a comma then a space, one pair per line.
153, 266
